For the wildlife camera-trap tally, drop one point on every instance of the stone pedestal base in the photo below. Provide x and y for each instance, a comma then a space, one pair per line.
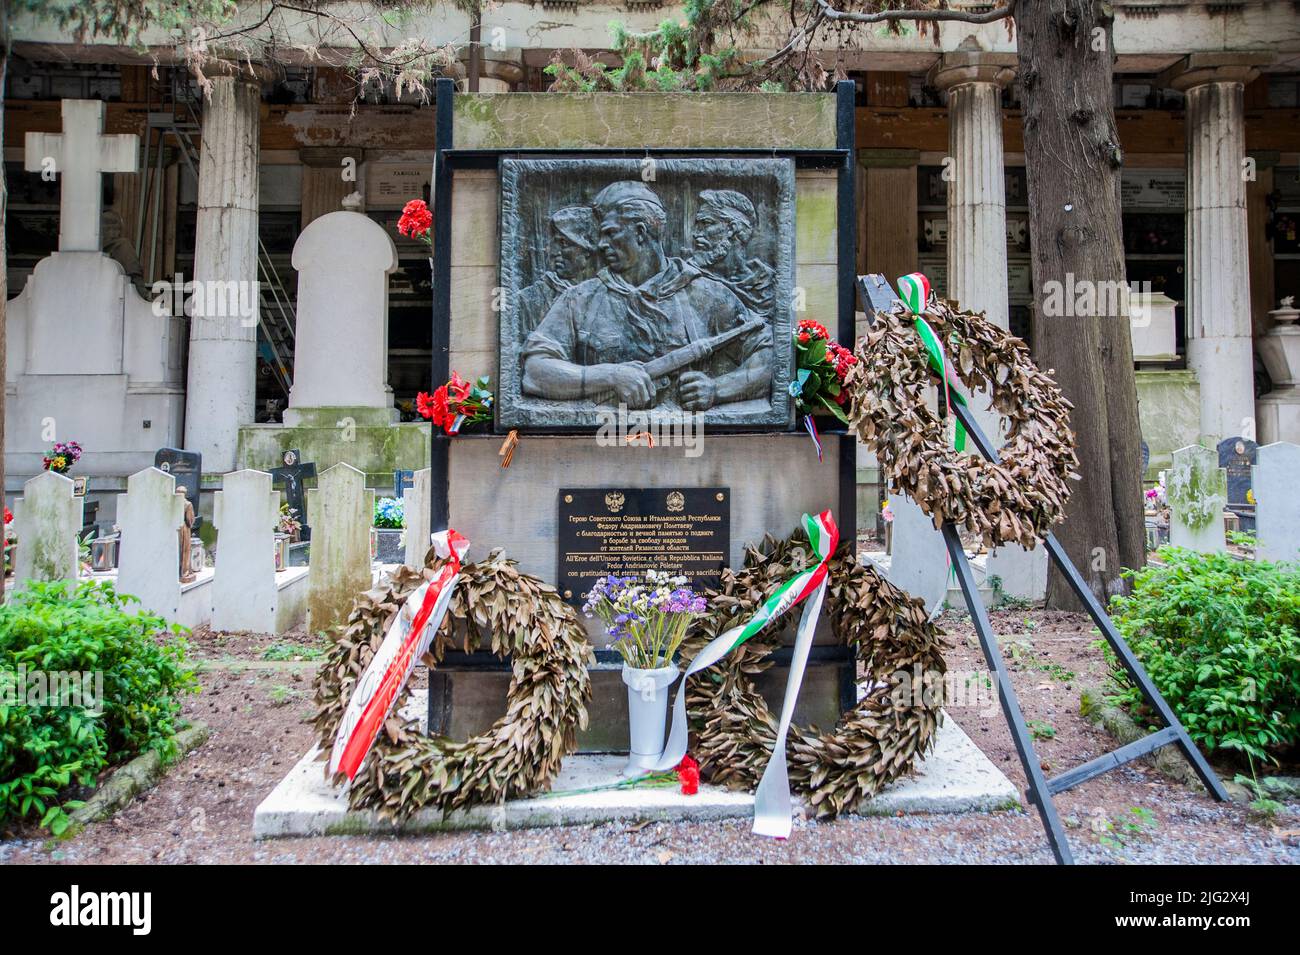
375, 448
466, 702
1277, 416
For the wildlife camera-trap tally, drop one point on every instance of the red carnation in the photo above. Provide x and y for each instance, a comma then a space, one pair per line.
416, 220
433, 407
9, 516
688, 771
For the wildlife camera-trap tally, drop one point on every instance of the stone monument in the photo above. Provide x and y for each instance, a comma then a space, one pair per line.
47, 519
151, 516
662, 290
84, 349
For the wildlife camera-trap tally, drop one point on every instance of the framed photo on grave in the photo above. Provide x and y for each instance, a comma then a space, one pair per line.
664, 285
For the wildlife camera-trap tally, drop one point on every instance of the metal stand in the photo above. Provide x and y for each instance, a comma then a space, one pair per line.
876, 295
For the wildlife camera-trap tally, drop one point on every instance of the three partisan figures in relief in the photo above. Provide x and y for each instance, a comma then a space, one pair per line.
614, 317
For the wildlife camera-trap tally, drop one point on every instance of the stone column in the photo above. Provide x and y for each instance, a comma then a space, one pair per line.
1218, 278
977, 244
223, 326
977, 204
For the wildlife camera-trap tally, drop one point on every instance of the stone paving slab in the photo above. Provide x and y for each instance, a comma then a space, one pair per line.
955, 777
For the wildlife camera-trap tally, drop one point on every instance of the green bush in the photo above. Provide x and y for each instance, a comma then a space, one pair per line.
1220, 638
59, 628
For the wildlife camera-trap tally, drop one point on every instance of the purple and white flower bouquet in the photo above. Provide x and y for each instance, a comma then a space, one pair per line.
648, 618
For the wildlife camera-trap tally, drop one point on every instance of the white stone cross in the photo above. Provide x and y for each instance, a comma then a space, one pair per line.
80, 154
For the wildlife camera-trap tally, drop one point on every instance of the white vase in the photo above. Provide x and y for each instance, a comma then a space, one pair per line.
647, 715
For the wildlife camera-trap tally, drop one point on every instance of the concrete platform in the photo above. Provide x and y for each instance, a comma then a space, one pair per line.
956, 777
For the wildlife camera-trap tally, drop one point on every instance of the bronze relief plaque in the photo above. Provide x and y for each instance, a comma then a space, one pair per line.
662, 285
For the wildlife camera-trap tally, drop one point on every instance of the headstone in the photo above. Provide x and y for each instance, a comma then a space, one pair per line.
291, 477
1146, 460
1277, 502
919, 557
402, 480
1021, 573
1237, 457
343, 261
415, 507
83, 348
148, 567
46, 520
1197, 489
340, 551
246, 511
187, 468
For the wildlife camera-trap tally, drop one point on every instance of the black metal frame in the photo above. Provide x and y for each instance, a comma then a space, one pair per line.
447, 158
1041, 789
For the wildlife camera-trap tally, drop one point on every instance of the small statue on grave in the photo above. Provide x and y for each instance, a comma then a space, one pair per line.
184, 535
644, 317
569, 261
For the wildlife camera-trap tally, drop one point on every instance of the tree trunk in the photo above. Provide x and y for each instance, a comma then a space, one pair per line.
4, 271
1073, 160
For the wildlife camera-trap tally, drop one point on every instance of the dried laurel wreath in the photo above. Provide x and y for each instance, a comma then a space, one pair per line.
1017, 500
521, 753
874, 743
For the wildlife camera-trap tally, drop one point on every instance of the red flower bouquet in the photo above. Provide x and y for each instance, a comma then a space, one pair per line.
822, 364
416, 221
456, 404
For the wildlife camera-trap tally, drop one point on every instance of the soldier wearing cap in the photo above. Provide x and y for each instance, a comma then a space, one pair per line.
643, 304
724, 224
572, 250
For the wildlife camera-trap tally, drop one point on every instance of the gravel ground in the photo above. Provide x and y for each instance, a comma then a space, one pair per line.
203, 810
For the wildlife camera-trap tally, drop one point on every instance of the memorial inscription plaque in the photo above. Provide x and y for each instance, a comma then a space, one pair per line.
662, 285
624, 531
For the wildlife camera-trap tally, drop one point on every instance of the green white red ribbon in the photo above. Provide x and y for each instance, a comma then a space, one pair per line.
406, 641
914, 289
772, 806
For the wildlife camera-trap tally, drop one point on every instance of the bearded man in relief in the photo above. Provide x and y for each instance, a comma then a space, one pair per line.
597, 336
724, 224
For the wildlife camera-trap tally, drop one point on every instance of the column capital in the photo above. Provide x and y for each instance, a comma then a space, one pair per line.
1198, 69
961, 69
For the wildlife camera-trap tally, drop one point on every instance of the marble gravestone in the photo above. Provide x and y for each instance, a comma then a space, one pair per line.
291, 476
46, 519
150, 516
343, 261
664, 286
415, 509
1237, 458
1197, 490
1277, 502
245, 513
187, 468
83, 348
340, 558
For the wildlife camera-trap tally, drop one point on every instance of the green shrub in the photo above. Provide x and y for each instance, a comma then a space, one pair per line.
59, 628
1220, 638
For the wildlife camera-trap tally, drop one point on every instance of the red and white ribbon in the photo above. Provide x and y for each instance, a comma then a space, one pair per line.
406, 641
